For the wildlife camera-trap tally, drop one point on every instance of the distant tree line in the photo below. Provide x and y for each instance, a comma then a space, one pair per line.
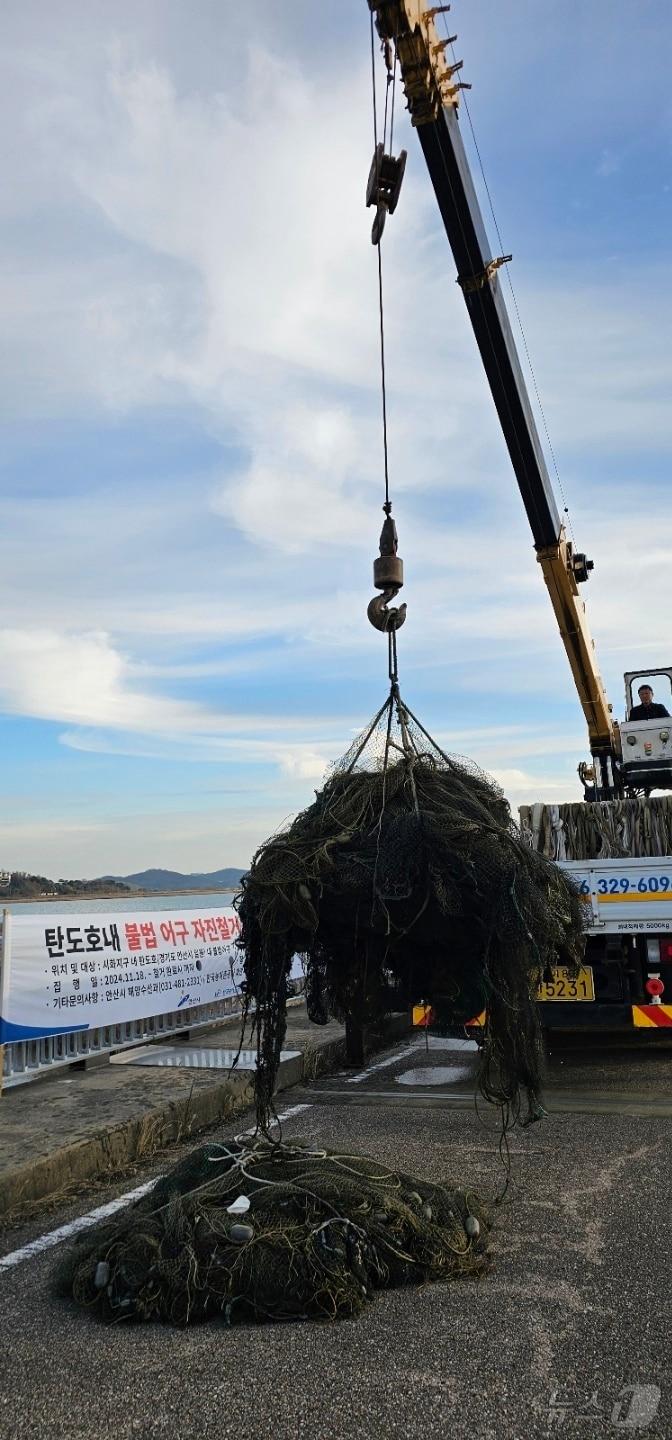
29, 887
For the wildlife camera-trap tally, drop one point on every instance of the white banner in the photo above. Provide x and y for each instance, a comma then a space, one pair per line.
64, 972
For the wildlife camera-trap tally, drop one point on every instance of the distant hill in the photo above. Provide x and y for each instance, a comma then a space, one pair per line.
173, 880
17, 885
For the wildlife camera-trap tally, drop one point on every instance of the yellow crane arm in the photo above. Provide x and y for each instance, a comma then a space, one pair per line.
557, 563
429, 74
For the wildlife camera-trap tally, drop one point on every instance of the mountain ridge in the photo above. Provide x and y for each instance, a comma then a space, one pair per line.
165, 880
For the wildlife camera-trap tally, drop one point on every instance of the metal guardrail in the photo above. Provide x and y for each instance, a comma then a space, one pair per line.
27, 1059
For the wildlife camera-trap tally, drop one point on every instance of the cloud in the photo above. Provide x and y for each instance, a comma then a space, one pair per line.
269, 324
187, 255
208, 840
523, 787
609, 164
305, 765
278, 502
606, 369
296, 759
83, 679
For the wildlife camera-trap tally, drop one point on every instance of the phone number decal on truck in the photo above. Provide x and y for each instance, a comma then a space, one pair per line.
624, 895
621, 887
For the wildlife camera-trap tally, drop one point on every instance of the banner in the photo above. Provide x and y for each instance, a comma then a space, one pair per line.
64, 972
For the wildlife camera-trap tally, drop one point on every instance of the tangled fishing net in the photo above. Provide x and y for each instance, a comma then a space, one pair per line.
321, 1233
406, 881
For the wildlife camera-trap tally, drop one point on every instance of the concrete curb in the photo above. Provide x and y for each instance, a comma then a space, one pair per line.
115, 1148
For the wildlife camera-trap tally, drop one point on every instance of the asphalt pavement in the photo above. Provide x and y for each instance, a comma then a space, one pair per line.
568, 1333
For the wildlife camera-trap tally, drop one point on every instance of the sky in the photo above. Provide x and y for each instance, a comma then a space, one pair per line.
191, 475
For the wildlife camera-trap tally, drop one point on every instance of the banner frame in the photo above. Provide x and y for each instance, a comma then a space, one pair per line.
5, 952
189, 937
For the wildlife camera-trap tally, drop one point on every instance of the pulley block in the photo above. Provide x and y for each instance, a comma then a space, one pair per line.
383, 187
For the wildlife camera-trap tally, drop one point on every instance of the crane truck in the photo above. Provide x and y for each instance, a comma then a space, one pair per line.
627, 976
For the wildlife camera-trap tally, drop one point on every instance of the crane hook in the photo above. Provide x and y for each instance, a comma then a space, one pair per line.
388, 576
379, 615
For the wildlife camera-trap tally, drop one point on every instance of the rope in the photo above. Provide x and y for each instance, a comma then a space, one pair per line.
393, 673
394, 90
373, 84
613, 830
324, 1231
383, 386
381, 306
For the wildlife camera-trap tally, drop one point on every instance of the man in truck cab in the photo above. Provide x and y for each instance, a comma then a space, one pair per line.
647, 708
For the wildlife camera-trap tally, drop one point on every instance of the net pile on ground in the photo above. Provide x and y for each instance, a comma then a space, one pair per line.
407, 881
604, 830
323, 1231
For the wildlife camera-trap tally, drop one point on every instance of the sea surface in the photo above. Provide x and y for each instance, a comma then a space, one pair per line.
191, 900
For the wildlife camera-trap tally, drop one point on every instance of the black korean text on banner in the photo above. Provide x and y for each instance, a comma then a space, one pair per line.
63, 973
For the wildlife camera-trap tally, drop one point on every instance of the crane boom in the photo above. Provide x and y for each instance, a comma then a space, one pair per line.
432, 94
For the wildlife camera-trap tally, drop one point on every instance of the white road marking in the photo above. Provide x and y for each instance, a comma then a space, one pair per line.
284, 1115
45, 1242
84, 1222
382, 1064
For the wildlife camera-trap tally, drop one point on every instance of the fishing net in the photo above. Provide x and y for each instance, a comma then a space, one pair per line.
321, 1233
603, 830
406, 881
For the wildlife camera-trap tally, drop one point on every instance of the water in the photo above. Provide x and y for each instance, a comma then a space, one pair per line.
435, 1075
194, 900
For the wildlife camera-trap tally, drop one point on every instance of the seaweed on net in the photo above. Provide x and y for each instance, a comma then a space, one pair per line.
322, 1233
406, 880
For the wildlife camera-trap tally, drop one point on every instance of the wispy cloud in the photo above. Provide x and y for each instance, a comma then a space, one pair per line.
84, 679
192, 373
609, 164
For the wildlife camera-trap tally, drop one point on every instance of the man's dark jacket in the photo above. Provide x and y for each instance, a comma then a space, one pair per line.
649, 712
